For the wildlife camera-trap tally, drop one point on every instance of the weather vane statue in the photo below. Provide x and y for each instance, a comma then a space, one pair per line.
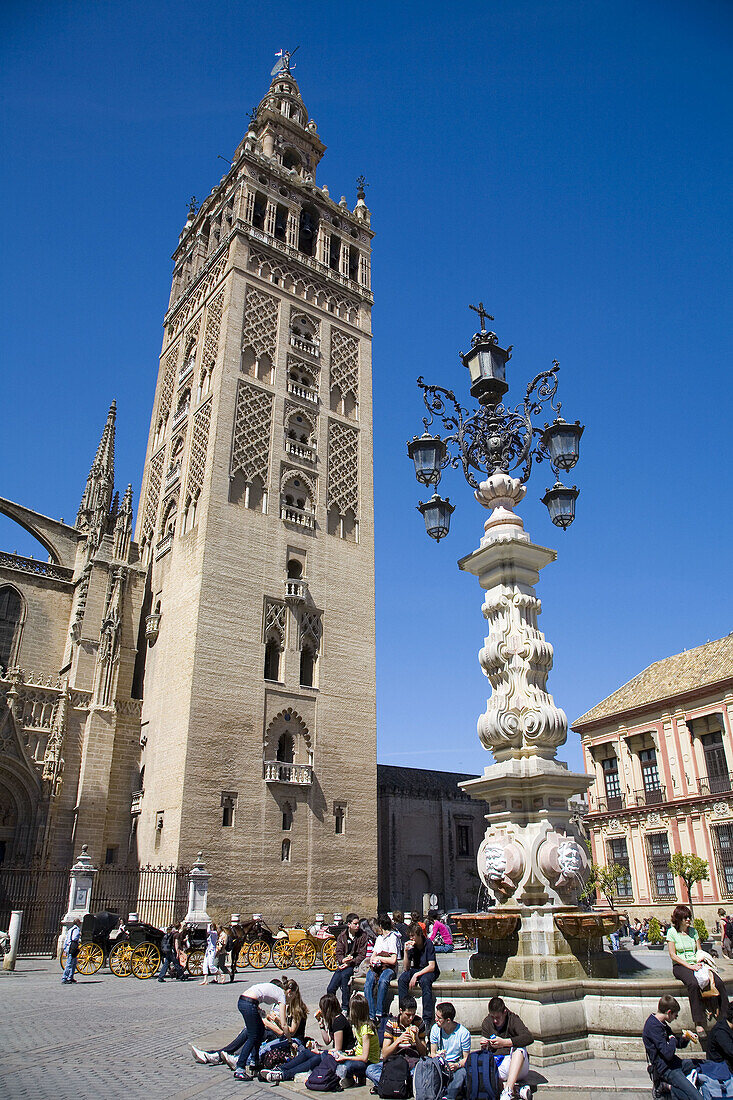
283, 64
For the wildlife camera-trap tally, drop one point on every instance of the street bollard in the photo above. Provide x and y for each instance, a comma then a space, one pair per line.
16, 920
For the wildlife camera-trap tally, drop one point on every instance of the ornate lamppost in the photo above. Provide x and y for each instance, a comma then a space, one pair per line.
531, 859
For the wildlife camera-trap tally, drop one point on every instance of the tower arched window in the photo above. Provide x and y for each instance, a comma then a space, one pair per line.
307, 666
285, 851
287, 817
285, 748
308, 230
11, 618
272, 659
259, 211
295, 569
291, 159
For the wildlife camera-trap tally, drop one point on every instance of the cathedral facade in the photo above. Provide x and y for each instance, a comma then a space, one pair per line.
243, 664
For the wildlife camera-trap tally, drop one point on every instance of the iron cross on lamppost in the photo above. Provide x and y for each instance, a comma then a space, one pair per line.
495, 438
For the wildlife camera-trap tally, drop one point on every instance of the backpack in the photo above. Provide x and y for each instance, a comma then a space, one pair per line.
482, 1076
323, 1078
728, 928
713, 1089
431, 1078
396, 1080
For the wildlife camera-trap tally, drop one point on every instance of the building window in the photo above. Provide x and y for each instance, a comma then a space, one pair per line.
661, 877
110, 856
285, 852
272, 660
287, 817
718, 781
653, 791
618, 853
463, 840
614, 800
228, 806
339, 815
307, 666
11, 613
723, 845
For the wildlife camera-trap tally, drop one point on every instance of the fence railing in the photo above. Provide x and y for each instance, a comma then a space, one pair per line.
158, 894
42, 894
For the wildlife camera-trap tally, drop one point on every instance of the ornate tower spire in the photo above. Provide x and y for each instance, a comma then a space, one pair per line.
97, 498
123, 526
283, 129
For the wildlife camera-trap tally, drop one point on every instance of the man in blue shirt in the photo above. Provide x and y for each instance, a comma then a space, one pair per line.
71, 947
451, 1041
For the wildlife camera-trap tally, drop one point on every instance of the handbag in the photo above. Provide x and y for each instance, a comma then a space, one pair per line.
702, 977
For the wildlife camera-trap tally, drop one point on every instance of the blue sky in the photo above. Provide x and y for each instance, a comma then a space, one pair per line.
568, 163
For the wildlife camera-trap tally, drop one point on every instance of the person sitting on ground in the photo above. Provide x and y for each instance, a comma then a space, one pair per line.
351, 949
720, 1040
352, 1068
336, 1035
661, 1047
421, 968
403, 1034
250, 1037
683, 944
452, 1041
439, 933
382, 967
504, 1033
278, 1037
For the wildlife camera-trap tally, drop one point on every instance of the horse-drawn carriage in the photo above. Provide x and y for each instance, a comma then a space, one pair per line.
286, 947
135, 949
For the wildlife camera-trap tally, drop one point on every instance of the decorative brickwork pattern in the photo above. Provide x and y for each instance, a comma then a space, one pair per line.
199, 447
343, 471
311, 629
259, 330
211, 338
152, 495
189, 305
252, 432
274, 619
304, 285
345, 363
170, 365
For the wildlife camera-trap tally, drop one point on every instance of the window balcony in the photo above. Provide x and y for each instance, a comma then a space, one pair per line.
309, 346
716, 784
172, 476
305, 393
300, 450
137, 803
295, 591
186, 371
164, 546
298, 517
652, 797
607, 805
179, 417
276, 771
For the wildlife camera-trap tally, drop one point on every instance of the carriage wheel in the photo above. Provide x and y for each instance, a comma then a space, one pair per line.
304, 954
119, 960
91, 958
63, 959
195, 964
328, 954
282, 954
243, 959
259, 954
145, 960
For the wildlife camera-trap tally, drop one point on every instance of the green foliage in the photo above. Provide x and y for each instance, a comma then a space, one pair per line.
690, 869
701, 928
654, 935
603, 880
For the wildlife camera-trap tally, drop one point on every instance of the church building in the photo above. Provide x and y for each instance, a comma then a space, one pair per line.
211, 684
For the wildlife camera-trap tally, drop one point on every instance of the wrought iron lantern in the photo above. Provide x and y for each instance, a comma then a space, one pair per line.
486, 363
428, 453
562, 442
437, 513
560, 503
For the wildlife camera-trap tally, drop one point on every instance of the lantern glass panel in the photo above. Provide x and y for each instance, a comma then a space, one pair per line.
563, 443
436, 513
427, 453
560, 503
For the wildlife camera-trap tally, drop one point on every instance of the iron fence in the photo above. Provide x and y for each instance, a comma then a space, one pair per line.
158, 894
42, 894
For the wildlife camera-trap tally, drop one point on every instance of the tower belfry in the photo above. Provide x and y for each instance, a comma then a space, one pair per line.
256, 522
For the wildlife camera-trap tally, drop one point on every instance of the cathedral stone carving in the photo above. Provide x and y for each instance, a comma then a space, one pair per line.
199, 445
345, 363
259, 331
252, 432
343, 459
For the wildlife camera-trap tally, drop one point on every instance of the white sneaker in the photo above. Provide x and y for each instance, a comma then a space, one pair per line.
525, 1092
205, 1057
229, 1059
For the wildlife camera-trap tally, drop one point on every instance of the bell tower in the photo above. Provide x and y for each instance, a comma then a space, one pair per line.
256, 524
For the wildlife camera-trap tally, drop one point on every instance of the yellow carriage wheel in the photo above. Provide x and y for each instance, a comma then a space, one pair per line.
282, 954
195, 964
243, 959
145, 960
328, 954
119, 960
91, 958
259, 954
63, 959
304, 954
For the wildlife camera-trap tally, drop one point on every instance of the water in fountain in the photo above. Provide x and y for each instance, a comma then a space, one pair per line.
484, 900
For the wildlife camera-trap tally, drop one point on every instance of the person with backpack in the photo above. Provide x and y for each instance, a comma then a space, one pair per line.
421, 967
250, 1037
661, 1050
505, 1034
72, 943
352, 1068
720, 1040
451, 1042
725, 925
403, 1046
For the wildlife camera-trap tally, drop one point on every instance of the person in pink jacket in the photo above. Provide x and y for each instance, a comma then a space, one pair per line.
439, 933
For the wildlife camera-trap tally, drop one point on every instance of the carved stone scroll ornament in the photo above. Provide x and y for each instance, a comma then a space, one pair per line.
501, 865
521, 717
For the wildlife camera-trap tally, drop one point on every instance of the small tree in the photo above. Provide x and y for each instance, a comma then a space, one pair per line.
604, 880
654, 934
701, 928
691, 869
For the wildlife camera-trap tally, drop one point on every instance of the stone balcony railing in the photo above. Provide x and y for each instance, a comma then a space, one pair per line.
179, 417
186, 371
137, 803
164, 546
309, 261
276, 771
300, 450
295, 590
311, 347
305, 393
172, 477
39, 568
297, 516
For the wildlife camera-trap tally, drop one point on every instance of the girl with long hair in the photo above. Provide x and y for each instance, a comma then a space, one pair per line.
683, 944
336, 1036
352, 1068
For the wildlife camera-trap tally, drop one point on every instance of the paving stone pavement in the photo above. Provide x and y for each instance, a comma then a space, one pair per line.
122, 1038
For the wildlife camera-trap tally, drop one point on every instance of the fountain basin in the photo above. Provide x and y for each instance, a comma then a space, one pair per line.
588, 926
498, 925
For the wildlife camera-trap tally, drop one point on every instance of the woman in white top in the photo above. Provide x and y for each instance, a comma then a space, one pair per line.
211, 968
250, 1037
382, 966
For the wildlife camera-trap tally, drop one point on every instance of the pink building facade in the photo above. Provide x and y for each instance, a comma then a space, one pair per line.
660, 752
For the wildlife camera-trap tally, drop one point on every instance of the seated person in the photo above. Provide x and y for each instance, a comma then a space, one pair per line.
504, 1033
276, 1036
336, 1036
683, 944
439, 933
353, 1065
248, 1042
421, 967
720, 1040
351, 949
403, 1034
661, 1049
452, 1041
382, 966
